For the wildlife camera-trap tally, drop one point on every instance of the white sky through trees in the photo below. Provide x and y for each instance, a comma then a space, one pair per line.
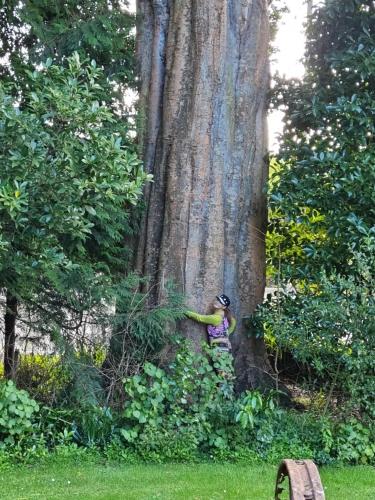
290, 45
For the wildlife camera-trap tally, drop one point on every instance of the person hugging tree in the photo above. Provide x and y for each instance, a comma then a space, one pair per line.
220, 324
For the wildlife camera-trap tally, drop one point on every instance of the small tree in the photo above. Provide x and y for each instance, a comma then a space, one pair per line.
331, 332
322, 230
66, 185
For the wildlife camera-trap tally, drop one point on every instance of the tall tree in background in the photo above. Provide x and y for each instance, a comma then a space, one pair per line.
326, 183
33, 30
204, 79
322, 232
30, 32
65, 184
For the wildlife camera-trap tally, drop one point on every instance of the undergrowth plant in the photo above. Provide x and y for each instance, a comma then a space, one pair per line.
329, 329
17, 413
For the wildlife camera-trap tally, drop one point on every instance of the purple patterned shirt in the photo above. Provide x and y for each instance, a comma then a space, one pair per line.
218, 331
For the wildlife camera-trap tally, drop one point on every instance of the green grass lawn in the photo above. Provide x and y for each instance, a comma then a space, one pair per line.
196, 482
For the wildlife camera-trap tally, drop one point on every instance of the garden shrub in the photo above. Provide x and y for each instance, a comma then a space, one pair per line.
185, 413
354, 443
329, 329
73, 453
43, 377
116, 452
167, 444
87, 426
189, 412
175, 414
17, 411
298, 435
93, 426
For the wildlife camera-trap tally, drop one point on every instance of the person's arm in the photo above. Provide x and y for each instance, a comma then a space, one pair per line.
232, 325
207, 319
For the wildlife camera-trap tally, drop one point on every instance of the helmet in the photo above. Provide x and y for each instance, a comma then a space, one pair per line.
224, 300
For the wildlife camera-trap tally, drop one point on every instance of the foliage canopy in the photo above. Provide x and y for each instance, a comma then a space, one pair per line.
66, 178
327, 152
322, 199
33, 30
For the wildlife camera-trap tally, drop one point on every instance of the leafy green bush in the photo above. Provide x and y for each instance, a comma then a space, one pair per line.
69, 177
72, 452
17, 412
254, 408
329, 328
38, 453
42, 376
139, 330
354, 443
88, 426
298, 435
186, 407
190, 389
186, 413
93, 426
167, 443
190, 412
116, 452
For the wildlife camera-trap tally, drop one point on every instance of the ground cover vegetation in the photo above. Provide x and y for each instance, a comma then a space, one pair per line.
70, 180
174, 415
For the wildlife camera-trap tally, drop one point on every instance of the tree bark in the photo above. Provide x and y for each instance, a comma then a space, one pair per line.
10, 336
309, 7
204, 79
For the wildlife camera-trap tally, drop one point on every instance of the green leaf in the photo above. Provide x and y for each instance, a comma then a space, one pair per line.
90, 210
136, 414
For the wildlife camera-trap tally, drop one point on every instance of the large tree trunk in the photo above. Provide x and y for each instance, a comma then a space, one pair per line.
204, 79
10, 336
